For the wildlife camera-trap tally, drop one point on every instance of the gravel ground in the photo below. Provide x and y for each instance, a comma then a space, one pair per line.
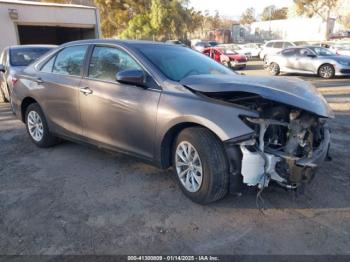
72, 199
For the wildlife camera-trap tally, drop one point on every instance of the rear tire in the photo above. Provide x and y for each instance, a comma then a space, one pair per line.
274, 69
212, 182
37, 128
326, 71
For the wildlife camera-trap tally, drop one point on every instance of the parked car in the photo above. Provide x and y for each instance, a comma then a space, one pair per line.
274, 46
172, 106
309, 60
236, 49
227, 57
340, 48
12, 60
200, 46
175, 42
253, 48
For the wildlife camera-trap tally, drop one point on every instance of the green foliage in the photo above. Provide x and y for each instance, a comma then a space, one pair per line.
248, 16
273, 13
310, 8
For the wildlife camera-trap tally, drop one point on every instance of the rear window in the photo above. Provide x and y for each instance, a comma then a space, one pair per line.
25, 56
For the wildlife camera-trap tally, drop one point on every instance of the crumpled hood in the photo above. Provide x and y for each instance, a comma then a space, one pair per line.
293, 92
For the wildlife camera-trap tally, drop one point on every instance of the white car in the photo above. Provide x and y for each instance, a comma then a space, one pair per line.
274, 46
341, 48
253, 48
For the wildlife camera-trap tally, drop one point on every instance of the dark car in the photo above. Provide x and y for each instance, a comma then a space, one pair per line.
12, 60
173, 106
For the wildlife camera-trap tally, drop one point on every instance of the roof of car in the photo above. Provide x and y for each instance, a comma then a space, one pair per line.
117, 41
31, 46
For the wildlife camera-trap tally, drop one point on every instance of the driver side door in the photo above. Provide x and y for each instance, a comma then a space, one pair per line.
115, 115
304, 61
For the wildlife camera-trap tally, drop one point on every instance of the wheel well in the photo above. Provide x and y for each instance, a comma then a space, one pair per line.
25, 103
169, 140
318, 70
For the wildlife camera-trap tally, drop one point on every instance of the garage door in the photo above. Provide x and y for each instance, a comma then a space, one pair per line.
52, 35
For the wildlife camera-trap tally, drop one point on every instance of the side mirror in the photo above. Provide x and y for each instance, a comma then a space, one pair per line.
131, 77
2, 68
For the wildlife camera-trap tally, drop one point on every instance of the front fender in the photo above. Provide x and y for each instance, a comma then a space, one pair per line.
222, 119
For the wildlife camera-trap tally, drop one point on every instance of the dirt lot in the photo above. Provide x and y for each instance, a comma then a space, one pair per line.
72, 199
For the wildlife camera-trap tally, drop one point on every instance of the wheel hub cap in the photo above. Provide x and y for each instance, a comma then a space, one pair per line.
35, 126
188, 166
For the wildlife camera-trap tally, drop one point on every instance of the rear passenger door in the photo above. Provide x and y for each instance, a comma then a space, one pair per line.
59, 82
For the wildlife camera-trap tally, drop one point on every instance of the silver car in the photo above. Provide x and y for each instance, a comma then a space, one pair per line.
314, 60
12, 60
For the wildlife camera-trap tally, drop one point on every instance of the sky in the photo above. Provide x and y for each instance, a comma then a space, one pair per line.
234, 8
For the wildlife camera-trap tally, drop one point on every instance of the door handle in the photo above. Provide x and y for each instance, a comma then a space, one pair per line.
86, 91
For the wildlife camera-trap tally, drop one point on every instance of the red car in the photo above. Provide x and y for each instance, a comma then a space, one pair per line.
227, 57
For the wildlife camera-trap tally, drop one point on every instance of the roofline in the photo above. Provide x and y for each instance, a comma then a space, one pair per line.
31, 3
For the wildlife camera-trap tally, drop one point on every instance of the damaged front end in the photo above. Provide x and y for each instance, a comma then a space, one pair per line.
287, 146
290, 138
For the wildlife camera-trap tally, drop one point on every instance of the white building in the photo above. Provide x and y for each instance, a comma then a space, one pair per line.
25, 22
294, 29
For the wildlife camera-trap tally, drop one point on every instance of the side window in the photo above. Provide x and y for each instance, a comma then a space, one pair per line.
288, 52
47, 68
278, 45
287, 44
304, 52
70, 61
106, 62
269, 44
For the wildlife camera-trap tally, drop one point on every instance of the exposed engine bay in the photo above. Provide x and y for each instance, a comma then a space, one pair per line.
288, 143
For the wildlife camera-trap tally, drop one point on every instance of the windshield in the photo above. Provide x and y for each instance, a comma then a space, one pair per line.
177, 63
25, 56
321, 51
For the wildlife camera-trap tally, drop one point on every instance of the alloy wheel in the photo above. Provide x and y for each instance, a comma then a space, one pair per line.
326, 71
188, 166
35, 126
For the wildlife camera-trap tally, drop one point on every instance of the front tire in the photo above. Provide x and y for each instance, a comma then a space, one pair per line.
200, 165
274, 69
37, 128
326, 71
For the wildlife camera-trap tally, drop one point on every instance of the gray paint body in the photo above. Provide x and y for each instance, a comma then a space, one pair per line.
133, 119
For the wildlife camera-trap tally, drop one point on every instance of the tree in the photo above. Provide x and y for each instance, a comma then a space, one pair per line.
273, 13
248, 16
322, 8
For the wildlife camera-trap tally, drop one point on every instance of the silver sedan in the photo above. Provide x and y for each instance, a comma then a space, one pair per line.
309, 60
